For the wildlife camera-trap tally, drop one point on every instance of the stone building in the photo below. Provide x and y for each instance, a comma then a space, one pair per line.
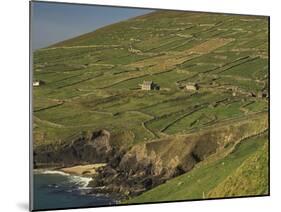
37, 83
192, 86
149, 85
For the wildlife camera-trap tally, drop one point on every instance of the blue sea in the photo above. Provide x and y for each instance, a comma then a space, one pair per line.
55, 190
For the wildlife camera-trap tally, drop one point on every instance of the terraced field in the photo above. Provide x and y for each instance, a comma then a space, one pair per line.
92, 83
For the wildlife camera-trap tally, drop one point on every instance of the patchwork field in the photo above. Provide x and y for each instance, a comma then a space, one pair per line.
93, 82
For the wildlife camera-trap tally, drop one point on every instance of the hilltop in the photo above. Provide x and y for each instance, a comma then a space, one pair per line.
92, 94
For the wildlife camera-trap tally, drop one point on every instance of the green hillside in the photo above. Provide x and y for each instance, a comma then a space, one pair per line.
93, 82
243, 172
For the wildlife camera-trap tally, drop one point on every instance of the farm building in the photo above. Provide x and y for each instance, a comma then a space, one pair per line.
37, 83
192, 86
261, 94
149, 85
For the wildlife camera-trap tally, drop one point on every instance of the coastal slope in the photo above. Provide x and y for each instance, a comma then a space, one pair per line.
199, 132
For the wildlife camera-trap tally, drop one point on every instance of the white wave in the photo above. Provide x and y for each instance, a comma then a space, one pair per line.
55, 172
80, 181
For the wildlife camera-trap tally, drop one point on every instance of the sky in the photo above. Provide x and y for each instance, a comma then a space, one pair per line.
54, 22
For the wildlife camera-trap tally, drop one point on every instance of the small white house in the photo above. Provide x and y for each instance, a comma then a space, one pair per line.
149, 85
192, 86
37, 83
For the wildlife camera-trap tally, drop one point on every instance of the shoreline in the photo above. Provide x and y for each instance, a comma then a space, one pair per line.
88, 170
84, 171
57, 189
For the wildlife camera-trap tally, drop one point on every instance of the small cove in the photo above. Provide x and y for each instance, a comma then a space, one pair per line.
56, 189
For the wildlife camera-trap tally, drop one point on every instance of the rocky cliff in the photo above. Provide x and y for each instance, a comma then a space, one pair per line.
88, 148
143, 166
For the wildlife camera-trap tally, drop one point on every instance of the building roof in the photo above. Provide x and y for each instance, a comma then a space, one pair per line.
192, 83
147, 82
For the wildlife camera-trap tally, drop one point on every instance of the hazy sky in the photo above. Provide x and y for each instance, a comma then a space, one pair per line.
54, 22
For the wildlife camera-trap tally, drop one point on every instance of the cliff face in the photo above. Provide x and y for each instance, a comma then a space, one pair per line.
93, 148
147, 165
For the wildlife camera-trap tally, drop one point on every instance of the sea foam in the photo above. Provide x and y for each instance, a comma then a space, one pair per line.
80, 181
55, 172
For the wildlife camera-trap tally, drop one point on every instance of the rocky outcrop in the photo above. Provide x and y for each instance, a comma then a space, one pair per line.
143, 166
90, 148
149, 164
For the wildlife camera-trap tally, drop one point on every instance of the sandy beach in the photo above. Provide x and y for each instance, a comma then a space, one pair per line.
85, 170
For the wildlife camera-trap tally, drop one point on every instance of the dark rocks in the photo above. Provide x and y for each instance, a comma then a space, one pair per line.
92, 148
132, 171
147, 183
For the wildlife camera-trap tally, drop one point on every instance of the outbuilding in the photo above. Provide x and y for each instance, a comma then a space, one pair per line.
192, 86
37, 83
149, 85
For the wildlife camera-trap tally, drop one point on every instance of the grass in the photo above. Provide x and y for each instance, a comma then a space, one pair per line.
92, 83
213, 176
251, 178
96, 73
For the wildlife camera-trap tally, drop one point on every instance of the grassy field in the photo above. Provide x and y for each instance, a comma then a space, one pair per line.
92, 82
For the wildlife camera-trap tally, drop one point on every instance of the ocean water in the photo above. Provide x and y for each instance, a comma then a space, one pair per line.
55, 190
